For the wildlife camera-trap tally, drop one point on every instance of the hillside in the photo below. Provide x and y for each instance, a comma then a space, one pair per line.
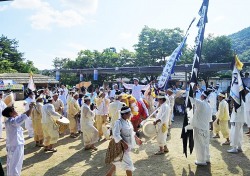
241, 43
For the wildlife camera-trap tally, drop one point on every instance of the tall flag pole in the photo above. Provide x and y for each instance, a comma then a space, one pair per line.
31, 84
169, 68
187, 131
237, 85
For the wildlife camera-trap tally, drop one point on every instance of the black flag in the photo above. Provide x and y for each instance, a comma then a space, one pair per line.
188, 134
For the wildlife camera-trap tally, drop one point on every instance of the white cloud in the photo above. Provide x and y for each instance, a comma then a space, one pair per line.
69, 13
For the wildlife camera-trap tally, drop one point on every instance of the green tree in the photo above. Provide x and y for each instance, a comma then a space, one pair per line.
6, 67
13, 58
155, 45
215, 50
108, 58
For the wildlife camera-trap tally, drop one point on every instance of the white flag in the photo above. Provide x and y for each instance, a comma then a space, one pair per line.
31, 84
236, 86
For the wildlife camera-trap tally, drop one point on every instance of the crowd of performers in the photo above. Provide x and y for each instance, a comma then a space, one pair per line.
116, 116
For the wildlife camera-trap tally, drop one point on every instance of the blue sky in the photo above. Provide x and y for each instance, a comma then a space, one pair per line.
47, 29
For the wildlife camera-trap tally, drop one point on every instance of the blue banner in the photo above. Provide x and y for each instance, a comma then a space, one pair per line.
58, 75
169, 68
81, 77
95, 75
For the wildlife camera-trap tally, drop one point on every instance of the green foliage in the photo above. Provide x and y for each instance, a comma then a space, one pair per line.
215, 50
241, 44
245, 56
155, 45
12, 58
94, 59
6, 67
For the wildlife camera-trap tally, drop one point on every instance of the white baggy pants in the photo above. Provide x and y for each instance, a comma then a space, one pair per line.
201, 145
29, 127
15, 157
236, 134
1, 127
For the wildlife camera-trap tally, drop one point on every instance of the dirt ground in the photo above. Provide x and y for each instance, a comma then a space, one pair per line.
71, 159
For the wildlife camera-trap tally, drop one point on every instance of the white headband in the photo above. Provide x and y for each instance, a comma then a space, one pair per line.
125, 111
87, 98
161, 96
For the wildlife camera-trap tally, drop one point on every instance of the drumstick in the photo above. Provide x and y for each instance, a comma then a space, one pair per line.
144, 121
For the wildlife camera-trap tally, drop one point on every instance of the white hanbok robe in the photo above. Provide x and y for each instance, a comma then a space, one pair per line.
28, 121
15, 144
171, 107
236, 132
2, 107
49, 116
163, 115
247, 109
212, 98
114, 111
90, 133
123, 130
200, 123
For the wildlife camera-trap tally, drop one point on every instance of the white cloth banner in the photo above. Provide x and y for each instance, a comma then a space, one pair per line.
170, 64
236, 86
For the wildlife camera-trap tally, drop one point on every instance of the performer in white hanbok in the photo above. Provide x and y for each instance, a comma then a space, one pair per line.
222, 118
28, 121
36, 116
90, 133
149, 96
114, 108
212, 99
101, 114
63, 98
2, 107
50, 128
171, 97
124, 132
200, 123
136, 92
113, 91
247, 109
236, 133
73, 114
15, 139
161, 121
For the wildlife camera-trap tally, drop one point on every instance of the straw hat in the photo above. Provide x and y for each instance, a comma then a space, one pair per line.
149, 129
222, 94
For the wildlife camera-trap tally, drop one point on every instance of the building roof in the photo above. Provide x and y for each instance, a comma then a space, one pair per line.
152, 69
23, 78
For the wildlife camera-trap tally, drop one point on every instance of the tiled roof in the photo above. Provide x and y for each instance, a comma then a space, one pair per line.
23, 78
